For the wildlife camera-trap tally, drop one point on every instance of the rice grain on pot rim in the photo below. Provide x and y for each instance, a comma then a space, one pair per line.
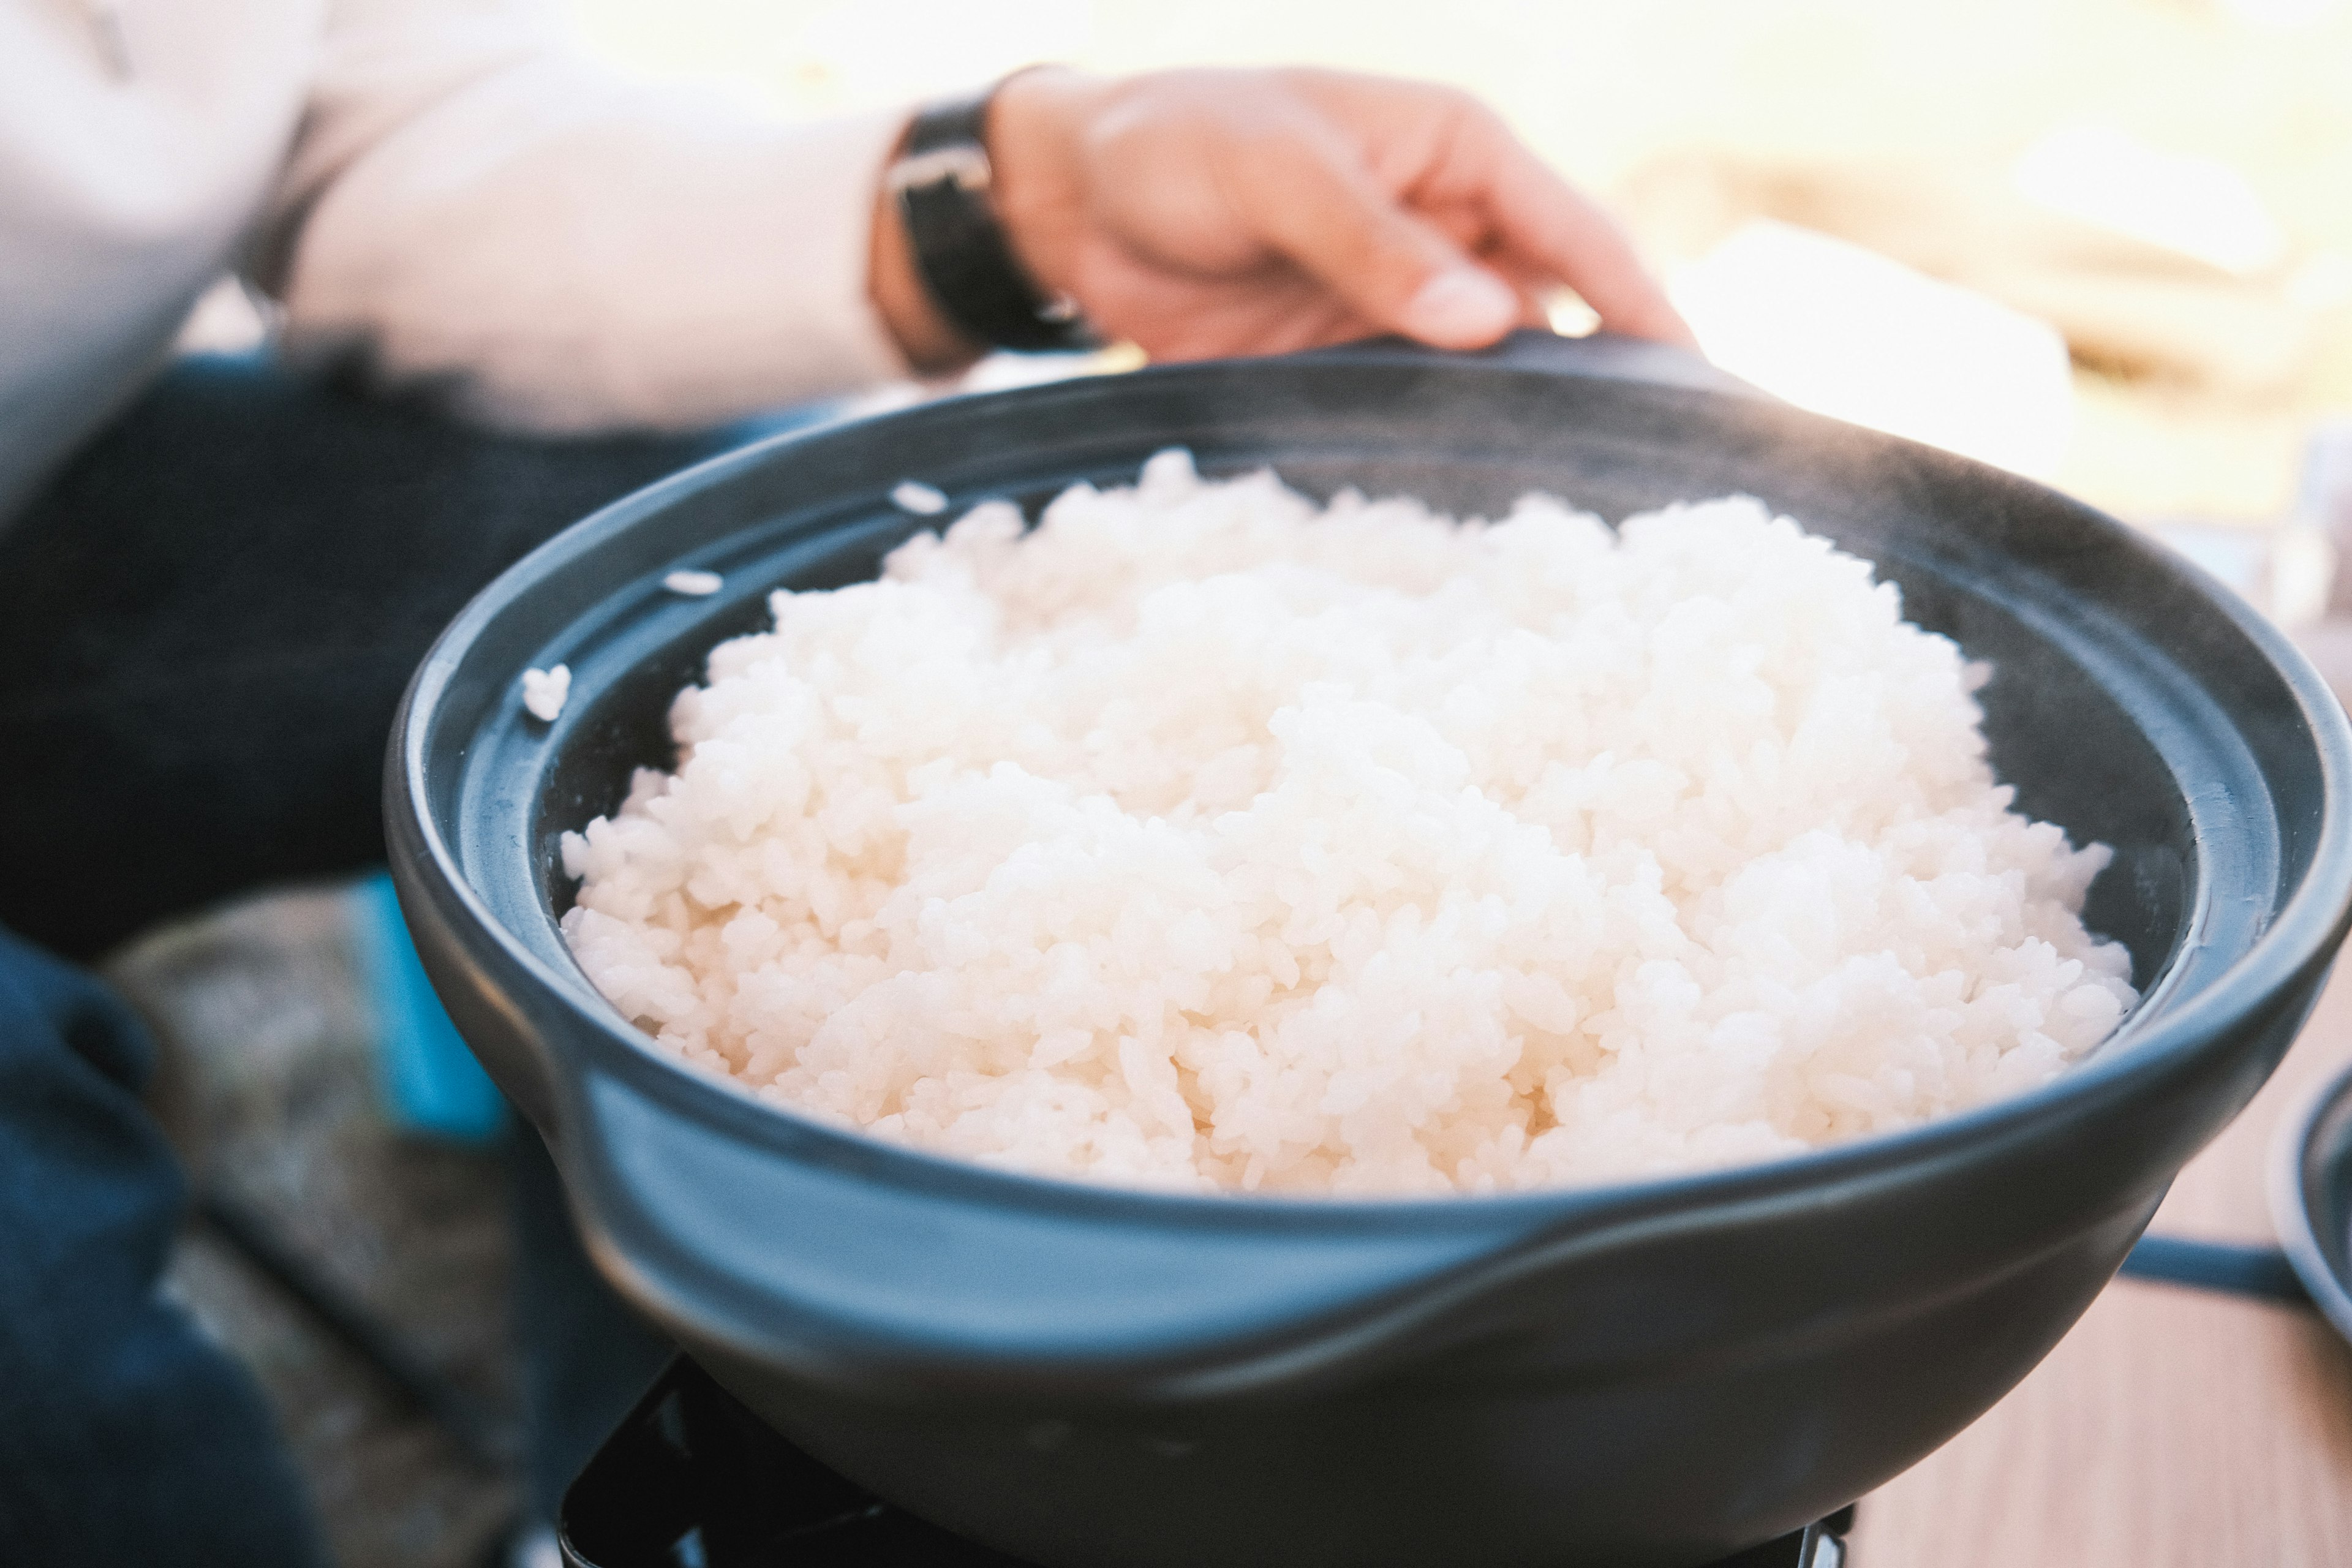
1206, 838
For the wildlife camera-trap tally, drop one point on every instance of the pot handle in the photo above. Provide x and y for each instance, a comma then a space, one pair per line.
867, 1269
2233, 1268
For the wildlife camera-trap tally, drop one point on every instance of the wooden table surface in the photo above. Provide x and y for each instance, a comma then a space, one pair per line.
2173, 1428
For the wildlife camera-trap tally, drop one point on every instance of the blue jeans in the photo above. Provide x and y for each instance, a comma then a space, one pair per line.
209, 617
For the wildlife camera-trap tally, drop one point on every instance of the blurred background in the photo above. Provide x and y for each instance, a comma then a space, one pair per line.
2167, 183
2107, 243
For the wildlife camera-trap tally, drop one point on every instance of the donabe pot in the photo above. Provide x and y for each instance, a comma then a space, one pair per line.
1653, 1373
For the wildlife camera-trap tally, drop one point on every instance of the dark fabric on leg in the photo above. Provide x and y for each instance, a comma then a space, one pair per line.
126, 1440
210, 616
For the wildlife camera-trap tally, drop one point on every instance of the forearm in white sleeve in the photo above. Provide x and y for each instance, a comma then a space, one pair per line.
473, 210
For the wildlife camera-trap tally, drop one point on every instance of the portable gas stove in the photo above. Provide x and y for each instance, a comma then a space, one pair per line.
693, 1479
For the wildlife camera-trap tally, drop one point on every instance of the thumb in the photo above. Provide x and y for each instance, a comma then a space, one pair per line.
1462, 305
1312, 200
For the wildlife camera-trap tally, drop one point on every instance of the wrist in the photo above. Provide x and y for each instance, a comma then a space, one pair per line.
926, 340
979, 211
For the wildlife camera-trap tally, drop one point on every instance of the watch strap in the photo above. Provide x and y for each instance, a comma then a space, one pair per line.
942, 180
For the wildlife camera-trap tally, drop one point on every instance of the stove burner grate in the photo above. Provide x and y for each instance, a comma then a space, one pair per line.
693, 1479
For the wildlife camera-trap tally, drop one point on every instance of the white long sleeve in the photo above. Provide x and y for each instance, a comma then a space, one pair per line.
474, 208
440, 189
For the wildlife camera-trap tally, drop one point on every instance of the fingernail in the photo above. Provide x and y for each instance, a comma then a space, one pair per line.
1461, 305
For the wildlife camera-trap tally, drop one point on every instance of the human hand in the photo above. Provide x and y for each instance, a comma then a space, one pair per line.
1205, 213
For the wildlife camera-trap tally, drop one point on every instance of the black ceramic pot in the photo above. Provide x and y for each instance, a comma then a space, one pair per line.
1650, 1373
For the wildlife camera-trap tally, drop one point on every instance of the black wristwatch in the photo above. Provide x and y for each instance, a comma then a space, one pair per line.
942, 180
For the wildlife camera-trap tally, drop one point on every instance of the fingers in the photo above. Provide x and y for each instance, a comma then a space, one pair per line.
1398, 206
1319, 202
1307, 192
1490, 184
1553, 224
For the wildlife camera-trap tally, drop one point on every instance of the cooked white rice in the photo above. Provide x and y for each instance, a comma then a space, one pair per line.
1200, 838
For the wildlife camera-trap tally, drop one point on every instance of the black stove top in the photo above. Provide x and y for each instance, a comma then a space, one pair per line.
693, 1479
